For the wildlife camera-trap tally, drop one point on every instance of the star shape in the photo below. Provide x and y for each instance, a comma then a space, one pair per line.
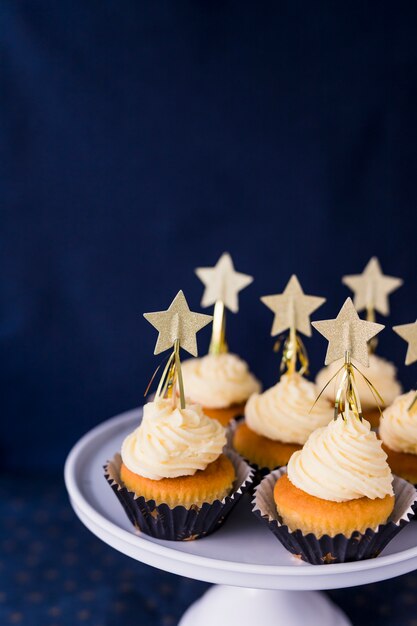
328, 558
348, 333
372, 287
409, 333
222, 283
178, 322
292, 308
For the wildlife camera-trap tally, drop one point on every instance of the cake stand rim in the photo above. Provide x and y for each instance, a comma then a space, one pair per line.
79, 502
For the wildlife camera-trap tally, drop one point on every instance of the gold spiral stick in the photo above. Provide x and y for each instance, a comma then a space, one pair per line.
177, 328
218, 344
347, 397
294, 354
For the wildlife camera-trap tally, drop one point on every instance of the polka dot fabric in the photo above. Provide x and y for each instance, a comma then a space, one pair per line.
53, 572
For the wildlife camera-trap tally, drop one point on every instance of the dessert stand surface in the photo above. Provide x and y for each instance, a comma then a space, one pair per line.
257, 580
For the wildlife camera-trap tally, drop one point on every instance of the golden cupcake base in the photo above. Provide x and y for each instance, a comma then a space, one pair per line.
213, 483
225, 415
261, 451
373, 416
402, 464
309, 514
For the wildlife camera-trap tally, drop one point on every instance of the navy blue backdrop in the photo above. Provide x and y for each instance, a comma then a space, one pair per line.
139, 140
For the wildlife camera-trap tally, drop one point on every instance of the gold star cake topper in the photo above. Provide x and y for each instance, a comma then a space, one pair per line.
409, 333
348, 334
348, 338
177, 327
222, 285
292, 310
372, 288
177, 323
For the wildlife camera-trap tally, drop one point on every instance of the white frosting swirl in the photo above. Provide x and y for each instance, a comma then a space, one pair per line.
380, 372
218, 381
342, 461
398, 427
172, 442
284, 412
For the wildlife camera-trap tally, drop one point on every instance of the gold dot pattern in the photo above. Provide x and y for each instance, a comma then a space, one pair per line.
53, 572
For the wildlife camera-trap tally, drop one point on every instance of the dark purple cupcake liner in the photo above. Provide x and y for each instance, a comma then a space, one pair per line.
230, 431
337, 549
178, 524
414, 508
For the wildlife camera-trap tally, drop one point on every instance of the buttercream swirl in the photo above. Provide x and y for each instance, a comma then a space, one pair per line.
218, 380
342, 461
172, 442
398, 427
284, 412
380, 372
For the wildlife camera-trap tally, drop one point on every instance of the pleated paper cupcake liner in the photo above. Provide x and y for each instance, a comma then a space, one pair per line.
337, 549
180, 523
230, 432
414, 507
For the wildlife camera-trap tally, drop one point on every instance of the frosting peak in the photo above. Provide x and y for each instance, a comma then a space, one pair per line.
172, 442
380, 372
342, 461
284, 412
218, 381
398, 427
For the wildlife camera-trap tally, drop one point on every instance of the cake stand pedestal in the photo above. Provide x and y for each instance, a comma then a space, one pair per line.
256, 579
243, 606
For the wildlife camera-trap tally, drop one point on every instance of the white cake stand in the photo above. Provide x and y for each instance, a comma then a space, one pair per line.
257, 580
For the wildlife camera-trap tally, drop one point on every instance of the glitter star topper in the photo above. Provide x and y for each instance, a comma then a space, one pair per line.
348, 338
222, 285
177, 323
348, 333
177, 327
408, 332
372, 288
292, 310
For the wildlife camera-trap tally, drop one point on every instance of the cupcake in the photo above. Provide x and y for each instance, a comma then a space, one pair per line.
175, 456
279, 421
337, 500
398, 431
221, 383
340, 482
173, 478
381, 373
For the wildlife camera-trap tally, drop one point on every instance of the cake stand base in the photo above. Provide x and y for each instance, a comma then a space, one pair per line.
240, 606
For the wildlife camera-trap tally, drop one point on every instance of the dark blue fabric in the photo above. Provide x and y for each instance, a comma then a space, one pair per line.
139, 140
53, 572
